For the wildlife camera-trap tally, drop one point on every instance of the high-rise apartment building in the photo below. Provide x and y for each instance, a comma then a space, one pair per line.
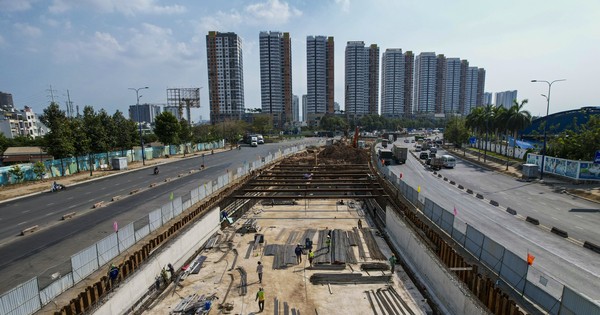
393, 79
295, 108
304, 107
361, 78
471, 83
409, 68
462, 92
225, 76
440, 80
452, 86
320, 74
480, 86
487, 98
276, 76
146, 113
425, 82
505, 99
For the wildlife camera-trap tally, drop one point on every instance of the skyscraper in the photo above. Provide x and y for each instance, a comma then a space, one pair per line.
409, 68
225, 76
480, 86
361, 78
276, 76
505, 99
319, 71
462, 92
440, 81
487, 98
452, 86
471, 83
425, 80
304, 108
393, 71
295, 108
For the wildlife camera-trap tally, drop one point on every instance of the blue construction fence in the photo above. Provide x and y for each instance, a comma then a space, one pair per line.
101, 161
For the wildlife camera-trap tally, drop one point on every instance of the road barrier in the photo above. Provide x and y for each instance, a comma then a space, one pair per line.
98, 204
511, 211
559, 232
445, 179
68, 215
135, 191
452, 182
480, 196
532, 220
30, 230
115, 198
469, 191
591, 246
494, 203
461, 186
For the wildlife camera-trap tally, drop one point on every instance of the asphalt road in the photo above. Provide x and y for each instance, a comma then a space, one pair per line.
563, 260
49, 249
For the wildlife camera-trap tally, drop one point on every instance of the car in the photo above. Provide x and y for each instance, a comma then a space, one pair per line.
423, 156
431, 155
412, 141
433, 150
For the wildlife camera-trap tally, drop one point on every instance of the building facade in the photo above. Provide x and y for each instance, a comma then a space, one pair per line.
304, 107
425, 82
393, 78
505, 99
295, 108
276, 76
487, 98
452, 86
361, 78
225, 76
480, 86
320, 75
6, 101
15, 123
409, 75
146, 113
471, 90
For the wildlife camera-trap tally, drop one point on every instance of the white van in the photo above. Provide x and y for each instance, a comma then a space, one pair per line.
254, 141
260, 139
448, 161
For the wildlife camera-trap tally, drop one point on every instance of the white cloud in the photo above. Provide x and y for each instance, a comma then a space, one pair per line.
129, 7
15, 5
221, 21
345, 4
28, 30
272, 12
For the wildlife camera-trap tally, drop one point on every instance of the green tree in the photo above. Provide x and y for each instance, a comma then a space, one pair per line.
166, 128
82, 142
456, 132
127, 132
17, 172
262, 123
185, 134
59, 141
578, 144
205, 133
333, 123
4, 143
39, 169
517, 120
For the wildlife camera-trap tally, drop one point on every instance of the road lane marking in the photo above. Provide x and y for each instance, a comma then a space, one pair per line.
70, 198
25, 211
89, 192
22, 223
577, 215
578, 227
50, 203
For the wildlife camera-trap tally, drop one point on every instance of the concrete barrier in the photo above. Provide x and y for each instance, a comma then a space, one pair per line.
30, 230
494, 203
440, 175
452, 182
68, 215
135, 191
167, 180
591, 246
511, 211
480, 196
445, 179
98, 204
469, 191
532, 220
152, 185
559, 232
434, 173
180, 175
461, 186
115, 198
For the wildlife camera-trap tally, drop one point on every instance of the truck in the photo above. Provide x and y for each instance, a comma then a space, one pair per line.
386, 156
400, 154
253, 141
260, 139
435, 163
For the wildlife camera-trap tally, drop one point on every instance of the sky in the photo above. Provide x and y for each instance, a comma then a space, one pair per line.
97, 49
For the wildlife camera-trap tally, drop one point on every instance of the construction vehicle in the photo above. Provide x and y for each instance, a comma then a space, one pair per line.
400, 154
386, 156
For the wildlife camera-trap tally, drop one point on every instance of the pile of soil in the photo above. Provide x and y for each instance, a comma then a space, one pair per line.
345, 154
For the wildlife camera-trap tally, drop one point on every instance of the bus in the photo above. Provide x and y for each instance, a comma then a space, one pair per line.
448, 161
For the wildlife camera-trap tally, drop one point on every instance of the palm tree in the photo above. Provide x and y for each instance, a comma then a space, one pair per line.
476, 122
518, 119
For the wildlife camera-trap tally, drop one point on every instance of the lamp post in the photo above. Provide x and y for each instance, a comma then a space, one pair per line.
137, 106
546, 120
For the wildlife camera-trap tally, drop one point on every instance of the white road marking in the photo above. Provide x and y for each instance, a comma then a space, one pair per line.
22, 223
70, 198
89, 192
25, 211
73, 206
578, 227
554, 218
50, 203
577, 215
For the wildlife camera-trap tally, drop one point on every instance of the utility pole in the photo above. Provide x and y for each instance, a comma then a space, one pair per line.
69, 105
51, 93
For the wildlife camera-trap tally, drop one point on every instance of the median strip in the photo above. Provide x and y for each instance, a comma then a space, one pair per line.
68, 215
559, 232
532, 220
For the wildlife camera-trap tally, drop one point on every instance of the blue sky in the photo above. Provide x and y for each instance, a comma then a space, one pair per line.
97, 49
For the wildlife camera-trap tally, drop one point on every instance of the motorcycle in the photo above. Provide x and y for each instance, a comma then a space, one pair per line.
56, 187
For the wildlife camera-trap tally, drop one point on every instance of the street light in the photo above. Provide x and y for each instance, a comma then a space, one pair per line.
546, 120
137, 106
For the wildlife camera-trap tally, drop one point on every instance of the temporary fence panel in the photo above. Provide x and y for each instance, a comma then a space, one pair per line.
544, 282
220, 182
56, 288
447, 222
573, 303
492, 254
107, 248
22, 300
126, 237
474, 241
84, 263
428, 209
209, 188
458, 236
540, 297
514, 270
194, 195
167, 212
201, 192
142, 232
187, 204
177, 206
155, 219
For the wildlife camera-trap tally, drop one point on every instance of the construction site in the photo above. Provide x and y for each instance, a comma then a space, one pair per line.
372, 251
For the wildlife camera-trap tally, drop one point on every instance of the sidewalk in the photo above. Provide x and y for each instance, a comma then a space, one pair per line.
589, 192
33, 187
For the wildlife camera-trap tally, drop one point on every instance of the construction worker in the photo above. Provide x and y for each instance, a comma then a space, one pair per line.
328, 242
259, 270
359, 224
298, 252
260, 297
393, 263
311, 256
